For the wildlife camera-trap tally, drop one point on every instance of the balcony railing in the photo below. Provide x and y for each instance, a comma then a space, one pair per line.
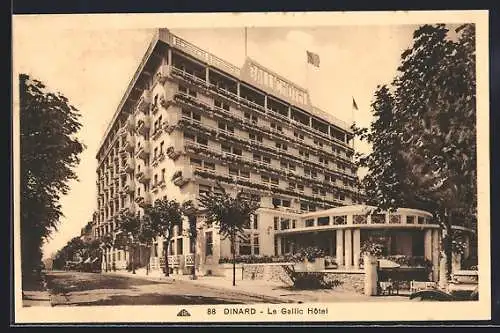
247, 124
130, 143
144, 176
189, 259
144, 101
173, 261
143, 125
131, 123
254, 106
130, 165
181, 178
144, 150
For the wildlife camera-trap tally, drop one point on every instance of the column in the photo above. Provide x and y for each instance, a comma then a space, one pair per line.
278, 240
467, 246
356, 242
207, 78
238, 89
435, 254
340, 247
348, 248
289, 112
265, 102
428, 244
169, 56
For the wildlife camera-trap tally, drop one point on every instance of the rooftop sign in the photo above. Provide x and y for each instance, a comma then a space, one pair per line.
264, 78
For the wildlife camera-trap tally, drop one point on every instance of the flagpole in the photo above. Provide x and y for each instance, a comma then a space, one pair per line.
246, 42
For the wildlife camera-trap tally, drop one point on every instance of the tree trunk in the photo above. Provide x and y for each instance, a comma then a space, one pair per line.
105, 261
233, 245
167, 269
148, 259
133, 258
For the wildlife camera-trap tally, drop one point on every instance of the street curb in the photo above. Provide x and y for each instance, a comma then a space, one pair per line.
165, 279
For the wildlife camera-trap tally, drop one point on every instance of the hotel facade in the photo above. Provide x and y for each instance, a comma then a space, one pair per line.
189, 120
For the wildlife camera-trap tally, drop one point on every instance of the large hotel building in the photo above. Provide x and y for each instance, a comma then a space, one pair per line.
190, 120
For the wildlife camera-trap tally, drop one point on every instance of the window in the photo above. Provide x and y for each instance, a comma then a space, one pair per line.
209, 165
209, 243
310, 223
196, 162
410, 220
155, 250
251, 117
237, 151
245, 247
264, 179
324, 220
281, 145
225, 127
233, 172
300, 187
256, 248
304, 154
203, 189
179, 245
244, 174
294, 224
196, 116
255, 137
276, 127
202, 140
266, 159
285, 224
298, 135
155, 153
189, 136
255, 221
275, 181
183, 89
156, 179
225, 148
276, 220
314, 190
162, 175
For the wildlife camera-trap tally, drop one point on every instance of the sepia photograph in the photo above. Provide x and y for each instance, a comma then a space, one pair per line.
251, 167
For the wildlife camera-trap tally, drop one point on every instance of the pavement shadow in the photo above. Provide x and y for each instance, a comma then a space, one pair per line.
155, 298
60, 283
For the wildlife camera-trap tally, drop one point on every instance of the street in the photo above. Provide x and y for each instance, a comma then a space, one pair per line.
78, 288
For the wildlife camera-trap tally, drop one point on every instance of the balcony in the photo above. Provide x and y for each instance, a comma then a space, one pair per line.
173, 261
189, 259
131, 123
129, 186
144, 101
130, 143
144, 150
144, 176
130, 165
145, 199
181, 178
143, 125
158, 159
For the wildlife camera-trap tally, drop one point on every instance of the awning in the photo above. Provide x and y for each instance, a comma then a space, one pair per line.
384, 263
87, 261
94, 260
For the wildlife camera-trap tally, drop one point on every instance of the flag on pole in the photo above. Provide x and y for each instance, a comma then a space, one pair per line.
312, 58
354, 105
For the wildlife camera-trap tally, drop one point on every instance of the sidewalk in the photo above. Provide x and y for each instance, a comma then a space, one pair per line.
39, 297
270, 289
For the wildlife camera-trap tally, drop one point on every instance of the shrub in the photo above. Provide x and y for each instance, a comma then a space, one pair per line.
310, 280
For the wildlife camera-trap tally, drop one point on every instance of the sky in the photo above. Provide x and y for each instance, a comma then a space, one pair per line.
92, 68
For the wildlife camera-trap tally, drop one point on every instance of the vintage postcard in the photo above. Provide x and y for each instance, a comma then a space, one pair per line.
244, 167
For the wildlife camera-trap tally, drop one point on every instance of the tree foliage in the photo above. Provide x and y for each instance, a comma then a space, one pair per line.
424, 132
49, 153
229, 214
164, 216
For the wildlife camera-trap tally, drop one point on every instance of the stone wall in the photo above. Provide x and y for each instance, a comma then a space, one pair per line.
350, 281
268, 272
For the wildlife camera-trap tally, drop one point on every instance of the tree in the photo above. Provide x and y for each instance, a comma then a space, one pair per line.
129, 225
106, 243
49, 153
190, 211
230, 214
145, 237
164, 216
433, 110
